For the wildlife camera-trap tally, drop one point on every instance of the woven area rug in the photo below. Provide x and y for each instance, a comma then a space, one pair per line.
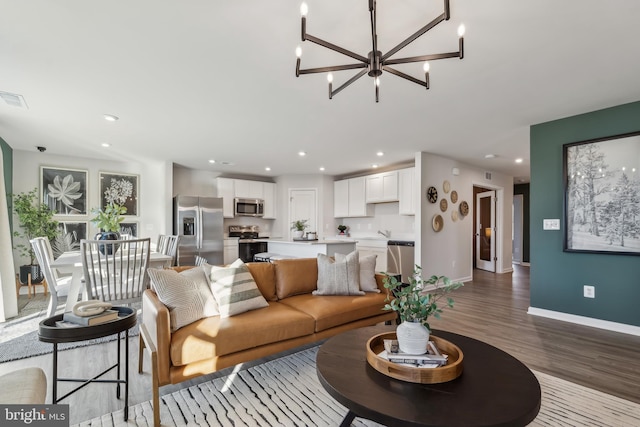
286, 392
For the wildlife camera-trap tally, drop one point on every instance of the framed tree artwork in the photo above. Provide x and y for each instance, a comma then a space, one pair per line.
602, 195
64, 190
69, 237
121, 189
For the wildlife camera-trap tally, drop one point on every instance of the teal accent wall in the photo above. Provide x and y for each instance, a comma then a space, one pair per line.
526, 220
557, 277
7, 168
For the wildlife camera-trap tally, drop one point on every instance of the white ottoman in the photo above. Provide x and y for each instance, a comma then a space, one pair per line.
24, 386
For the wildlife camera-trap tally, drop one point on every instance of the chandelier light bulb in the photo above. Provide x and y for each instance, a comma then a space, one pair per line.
461, 30
377, 81
298, 52
330, 78
304, 9
425, 67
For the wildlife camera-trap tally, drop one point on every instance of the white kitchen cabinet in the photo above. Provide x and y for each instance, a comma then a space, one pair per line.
382, 187
226, 190
349, 198
269, 190
242, 188
230, 250
407, 196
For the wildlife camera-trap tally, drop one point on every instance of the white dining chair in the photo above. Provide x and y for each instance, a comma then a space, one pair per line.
200, 260
58, 285
168, 245
115, 271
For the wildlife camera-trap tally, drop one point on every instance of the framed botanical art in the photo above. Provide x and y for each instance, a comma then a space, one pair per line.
121, 189
69, 237
64, 190
129, 228
602, 195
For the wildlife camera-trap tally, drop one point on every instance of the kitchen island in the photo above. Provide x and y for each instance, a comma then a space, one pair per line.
310, 248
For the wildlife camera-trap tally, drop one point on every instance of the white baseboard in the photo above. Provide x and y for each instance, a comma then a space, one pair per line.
586, 321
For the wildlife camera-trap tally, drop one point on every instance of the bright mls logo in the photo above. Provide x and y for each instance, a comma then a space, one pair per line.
34, 415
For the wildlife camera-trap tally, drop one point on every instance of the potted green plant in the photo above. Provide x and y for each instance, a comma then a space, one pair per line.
36, 220
298, 228
108, 221
415, 302
342, 228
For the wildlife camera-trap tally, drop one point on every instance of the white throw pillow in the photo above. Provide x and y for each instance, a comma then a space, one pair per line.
340, 276
235, 290
186, 295
368, 273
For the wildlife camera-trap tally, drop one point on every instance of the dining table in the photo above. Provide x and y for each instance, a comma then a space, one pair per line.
71, 262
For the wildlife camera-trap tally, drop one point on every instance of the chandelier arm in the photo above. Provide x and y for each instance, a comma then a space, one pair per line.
332, 68
414, 36
338, 49
422, 58
348, 82
405, 76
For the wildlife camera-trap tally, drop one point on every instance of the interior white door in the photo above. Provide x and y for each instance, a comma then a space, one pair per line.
302, 205
486, 231
518, 228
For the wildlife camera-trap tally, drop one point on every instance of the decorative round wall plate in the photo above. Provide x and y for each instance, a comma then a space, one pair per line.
454, 196
432, 194
446, 186
454, 215
437, 223
443, 205
464, 208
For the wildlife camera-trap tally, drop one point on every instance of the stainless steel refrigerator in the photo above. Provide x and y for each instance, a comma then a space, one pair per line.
199, 223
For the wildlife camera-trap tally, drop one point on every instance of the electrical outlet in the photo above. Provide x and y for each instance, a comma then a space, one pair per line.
589, 291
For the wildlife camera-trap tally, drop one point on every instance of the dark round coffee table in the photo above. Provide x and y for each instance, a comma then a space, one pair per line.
495, 389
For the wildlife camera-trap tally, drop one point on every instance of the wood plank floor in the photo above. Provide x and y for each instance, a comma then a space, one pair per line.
492, 308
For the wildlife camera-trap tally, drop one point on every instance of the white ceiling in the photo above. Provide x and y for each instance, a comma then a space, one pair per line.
198, 80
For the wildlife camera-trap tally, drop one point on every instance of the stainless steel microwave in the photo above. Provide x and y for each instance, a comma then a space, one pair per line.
249, 207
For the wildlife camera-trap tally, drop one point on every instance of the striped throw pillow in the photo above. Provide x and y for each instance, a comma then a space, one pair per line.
186, 295
340, 276
235, 290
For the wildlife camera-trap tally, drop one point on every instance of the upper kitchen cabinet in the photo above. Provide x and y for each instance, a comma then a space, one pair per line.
226, 190
382, 187
407, 191
249, 189
229, 189
349, 198
269, 191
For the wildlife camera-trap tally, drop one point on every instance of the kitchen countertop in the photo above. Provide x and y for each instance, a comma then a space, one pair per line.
309, 242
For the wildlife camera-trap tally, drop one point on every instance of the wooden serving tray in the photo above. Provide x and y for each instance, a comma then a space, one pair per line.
448, 372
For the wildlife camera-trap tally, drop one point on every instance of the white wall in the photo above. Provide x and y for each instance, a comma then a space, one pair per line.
449, 252
155, 185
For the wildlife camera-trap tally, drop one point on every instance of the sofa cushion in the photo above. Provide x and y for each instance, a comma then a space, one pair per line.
217, 336
335, 310
340, 276
296, 276
235, 290
186, 294
368, 273
264, 274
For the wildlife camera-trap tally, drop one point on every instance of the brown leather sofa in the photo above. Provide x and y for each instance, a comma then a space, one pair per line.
294, 317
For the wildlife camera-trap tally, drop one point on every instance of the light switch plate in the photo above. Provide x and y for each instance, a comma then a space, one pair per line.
551, 224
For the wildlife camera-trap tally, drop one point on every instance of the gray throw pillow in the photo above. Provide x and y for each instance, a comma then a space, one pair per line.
186, 295
340, 276
368, 273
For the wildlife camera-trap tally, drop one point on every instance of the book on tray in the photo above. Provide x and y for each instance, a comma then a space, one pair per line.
431, 359
105, 316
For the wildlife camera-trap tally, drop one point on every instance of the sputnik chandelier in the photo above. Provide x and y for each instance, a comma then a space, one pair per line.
376, 62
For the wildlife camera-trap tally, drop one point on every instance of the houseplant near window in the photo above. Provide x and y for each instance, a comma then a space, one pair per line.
415, 302
108, 221
298, 228
36, 220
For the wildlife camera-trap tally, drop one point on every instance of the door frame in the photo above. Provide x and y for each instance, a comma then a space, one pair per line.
491, 264
290, 220
518, 232
500, 268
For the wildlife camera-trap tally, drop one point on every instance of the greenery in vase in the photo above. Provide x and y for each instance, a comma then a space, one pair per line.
416, 301
36, 220
109, 218
342, 228
299, 225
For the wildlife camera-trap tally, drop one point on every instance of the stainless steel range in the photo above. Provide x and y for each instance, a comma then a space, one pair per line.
247, 244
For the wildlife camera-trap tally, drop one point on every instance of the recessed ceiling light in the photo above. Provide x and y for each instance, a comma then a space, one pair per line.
267, 168
490, 156
106, 145
302, 153
110, 117
519, 160
379, 154
322, 168
374, 165
227, 163
212, 161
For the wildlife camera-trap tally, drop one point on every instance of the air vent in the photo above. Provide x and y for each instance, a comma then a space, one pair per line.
487, 176
13, 99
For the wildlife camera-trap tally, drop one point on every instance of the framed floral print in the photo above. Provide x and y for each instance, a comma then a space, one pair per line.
121, 189
69, 237
64, 190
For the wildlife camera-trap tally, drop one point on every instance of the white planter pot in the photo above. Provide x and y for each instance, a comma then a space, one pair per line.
297, 234
413, 337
